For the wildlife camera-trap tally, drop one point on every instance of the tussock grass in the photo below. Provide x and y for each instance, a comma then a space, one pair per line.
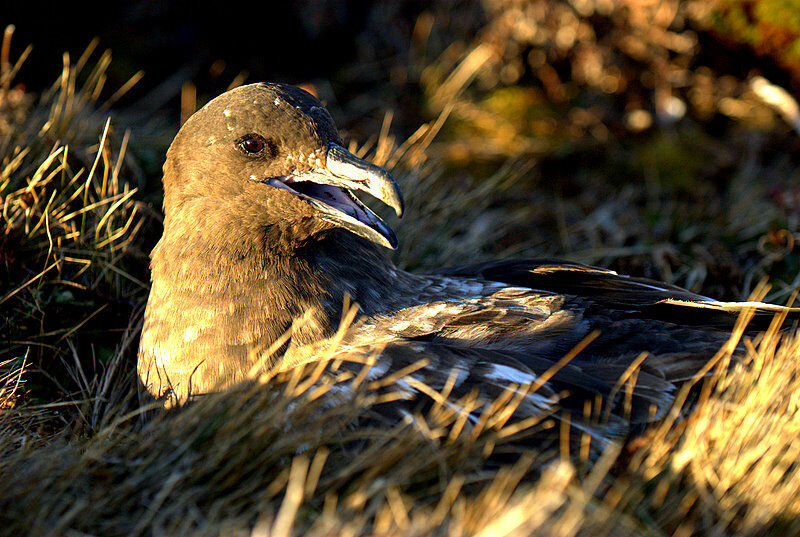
282, 458
291, 453
69, 222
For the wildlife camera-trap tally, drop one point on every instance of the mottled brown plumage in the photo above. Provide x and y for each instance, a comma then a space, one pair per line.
260, 229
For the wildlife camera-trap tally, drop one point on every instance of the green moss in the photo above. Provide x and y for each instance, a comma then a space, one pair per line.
770, 27
671, 160
782, 13
517, 104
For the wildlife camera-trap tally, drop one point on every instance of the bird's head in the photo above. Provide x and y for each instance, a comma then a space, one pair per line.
274, 148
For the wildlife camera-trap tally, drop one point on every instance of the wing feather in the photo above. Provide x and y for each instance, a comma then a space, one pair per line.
647, 298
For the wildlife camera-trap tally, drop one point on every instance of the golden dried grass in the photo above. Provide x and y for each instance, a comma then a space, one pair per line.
276, 457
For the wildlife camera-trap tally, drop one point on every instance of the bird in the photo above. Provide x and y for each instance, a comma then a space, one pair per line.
265, 241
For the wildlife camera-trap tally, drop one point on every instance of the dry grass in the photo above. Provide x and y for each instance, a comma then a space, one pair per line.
69, 228
279, 458
289, 456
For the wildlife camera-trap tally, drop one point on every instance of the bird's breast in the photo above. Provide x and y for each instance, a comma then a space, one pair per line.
195, 340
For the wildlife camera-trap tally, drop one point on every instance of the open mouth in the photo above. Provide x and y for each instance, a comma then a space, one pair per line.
330, 191
338, 198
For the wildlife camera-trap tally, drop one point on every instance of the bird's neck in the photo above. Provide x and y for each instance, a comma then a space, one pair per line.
273, 284
212, 314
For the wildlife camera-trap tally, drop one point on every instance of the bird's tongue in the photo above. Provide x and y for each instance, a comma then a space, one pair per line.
333, 196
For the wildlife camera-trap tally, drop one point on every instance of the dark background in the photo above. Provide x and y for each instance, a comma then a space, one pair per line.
556, 99
347, 44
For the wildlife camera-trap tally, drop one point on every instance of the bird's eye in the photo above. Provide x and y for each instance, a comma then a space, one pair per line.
252, 144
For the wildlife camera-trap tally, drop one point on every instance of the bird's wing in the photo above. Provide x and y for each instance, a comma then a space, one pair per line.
509, 345
490, 389
489, 328
643, 297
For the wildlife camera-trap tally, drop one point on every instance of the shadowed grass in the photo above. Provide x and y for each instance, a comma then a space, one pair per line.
291, 456
295, 452
69, 225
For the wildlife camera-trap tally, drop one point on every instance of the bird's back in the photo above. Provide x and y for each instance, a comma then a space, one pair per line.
568, 333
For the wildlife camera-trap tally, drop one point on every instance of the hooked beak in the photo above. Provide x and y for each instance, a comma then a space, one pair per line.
330, 191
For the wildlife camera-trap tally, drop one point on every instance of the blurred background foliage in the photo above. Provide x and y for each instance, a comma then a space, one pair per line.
653, 101
658, 138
